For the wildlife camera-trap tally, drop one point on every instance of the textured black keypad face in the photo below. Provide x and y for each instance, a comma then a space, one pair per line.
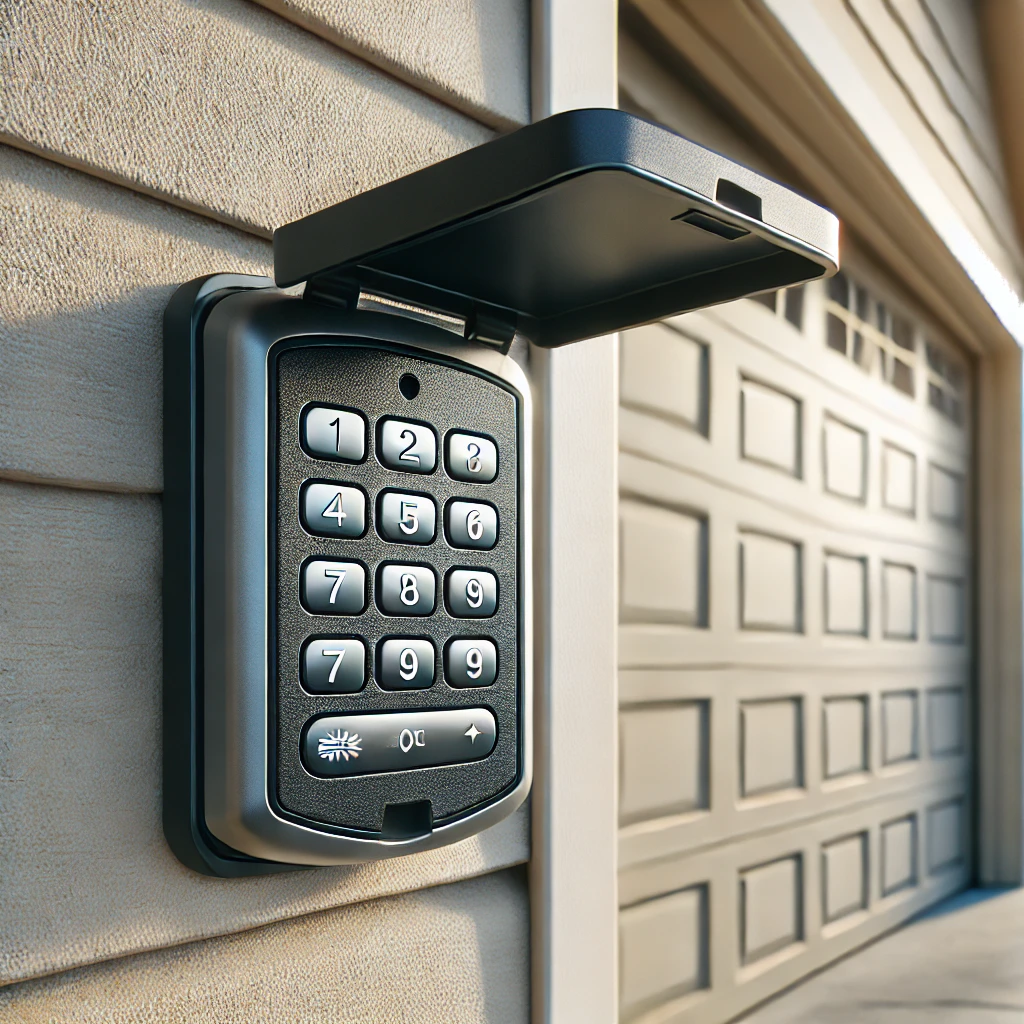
397, 583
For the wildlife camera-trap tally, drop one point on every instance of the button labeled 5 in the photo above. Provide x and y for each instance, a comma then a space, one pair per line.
472, 524
406, 518
407, 590
329, 587
333, 510
336, 665
471, 457
410, 447
472, 593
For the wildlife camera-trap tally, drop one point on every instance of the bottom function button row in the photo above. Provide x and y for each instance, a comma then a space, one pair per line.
390, 742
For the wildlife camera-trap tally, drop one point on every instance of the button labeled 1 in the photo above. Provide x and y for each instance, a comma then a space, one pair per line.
406, 518
332, 510
337, 665
407, 590
406, 664
360, 744
472, 524
410, 447
333, 588
470, 662
472, 593
471, 457
331, 433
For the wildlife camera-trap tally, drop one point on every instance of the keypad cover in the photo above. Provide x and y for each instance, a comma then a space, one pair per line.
452, 397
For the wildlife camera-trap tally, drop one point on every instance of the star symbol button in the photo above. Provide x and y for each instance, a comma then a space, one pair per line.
472, 732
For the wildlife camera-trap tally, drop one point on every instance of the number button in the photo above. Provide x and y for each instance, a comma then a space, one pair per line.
406, 664
410, 447
470, 662
332, 510
333, 588
337, 665
472, 458
407, 518
472, 593
472, 524
331, 433
407, 590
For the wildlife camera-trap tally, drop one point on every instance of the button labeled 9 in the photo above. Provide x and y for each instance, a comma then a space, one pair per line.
471, 593
470, 661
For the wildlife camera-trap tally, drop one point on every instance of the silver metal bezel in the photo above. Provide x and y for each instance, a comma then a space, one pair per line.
238, 337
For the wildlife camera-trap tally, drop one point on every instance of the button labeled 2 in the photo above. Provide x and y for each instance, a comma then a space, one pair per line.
335, 665
407, 518
472, 593
407, 590
333, 510
472, 524
360, 744
410, 447
333, 588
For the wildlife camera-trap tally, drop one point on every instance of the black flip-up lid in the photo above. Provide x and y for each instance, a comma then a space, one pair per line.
584, 223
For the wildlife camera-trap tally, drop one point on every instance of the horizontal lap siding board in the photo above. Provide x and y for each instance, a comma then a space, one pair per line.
222, 107
795, 652
87, 874
472, 54
457, 954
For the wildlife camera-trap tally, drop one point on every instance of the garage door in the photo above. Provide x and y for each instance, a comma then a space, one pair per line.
795, 640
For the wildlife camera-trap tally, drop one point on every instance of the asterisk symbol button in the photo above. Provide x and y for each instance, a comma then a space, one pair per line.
472, 732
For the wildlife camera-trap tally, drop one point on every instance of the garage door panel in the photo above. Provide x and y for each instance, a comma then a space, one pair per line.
801, 898
761, 750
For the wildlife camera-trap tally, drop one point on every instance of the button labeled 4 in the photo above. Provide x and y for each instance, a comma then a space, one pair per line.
333, 510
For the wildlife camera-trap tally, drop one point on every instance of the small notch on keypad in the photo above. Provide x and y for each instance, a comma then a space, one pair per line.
409, 385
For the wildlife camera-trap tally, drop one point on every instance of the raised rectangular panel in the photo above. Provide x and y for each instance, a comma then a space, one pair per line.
945, 722
771, 908
666, 373
769, 427
946, 609
945, 835
899, 727
899, 479
899, 854
663, 751
846, 597
845, 736
664, 565
844, 876
771, 583
899, 601
663, 949
845, 454
771, 746
945, 494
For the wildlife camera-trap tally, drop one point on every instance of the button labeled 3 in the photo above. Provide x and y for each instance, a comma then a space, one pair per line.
360, 744
410, 447
331, 433
472, 524
470, 662
333, 510
337, 665
407, 590
472, 593
407, 518
333, 588
406, 664
471, 457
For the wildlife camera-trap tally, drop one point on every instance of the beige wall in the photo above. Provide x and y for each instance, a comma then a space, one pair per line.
146, 144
